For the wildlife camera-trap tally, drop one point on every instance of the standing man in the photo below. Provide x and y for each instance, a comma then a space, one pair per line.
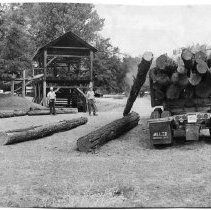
51, 100
91, 101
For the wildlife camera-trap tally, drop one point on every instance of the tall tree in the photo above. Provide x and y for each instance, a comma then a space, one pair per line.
15, 45
108, 74
47, 21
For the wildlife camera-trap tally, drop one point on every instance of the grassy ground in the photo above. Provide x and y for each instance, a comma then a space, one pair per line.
125, 172
8, 102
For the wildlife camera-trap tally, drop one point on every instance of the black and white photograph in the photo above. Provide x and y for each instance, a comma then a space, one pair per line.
105, 104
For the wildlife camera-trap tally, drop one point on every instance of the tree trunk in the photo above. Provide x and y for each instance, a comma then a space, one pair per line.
108, 132
47, 112
20, 135
143, 68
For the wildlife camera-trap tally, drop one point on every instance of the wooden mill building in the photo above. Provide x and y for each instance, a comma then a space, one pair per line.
66, 64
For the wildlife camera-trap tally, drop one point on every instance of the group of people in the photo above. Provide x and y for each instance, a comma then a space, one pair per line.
51, 99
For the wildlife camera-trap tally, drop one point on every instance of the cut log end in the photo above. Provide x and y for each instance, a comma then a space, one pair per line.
194, 79
201, 66
187, 54
148, 56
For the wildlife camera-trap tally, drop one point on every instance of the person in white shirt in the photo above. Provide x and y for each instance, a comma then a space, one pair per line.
91, 102
51, 100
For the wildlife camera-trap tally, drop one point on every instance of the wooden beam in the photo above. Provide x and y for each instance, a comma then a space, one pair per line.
69, 56
66, 87
51, 60
44, 78
24, 84
13, 87
39, 92
91, 66
74, 48
35, 91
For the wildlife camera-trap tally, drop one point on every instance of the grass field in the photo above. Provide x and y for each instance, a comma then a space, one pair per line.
126, 172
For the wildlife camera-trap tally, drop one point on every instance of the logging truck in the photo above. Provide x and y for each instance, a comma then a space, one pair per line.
178, 118
180, 92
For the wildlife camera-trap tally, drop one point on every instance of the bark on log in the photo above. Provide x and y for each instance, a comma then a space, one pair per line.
159, 76
108, 132
180, 79
203, 90
21, 135
143, 68
209, 61
159, 94
161, 61
166, 63
173, 92
47, 112
188, 92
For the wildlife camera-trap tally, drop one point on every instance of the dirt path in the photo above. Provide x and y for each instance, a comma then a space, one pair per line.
49, 172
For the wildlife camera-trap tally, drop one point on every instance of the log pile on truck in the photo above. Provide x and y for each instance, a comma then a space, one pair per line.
186, 77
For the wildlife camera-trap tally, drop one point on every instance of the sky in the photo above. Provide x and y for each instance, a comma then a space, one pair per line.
160, 29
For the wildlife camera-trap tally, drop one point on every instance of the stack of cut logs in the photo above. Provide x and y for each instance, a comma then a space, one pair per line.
189, 76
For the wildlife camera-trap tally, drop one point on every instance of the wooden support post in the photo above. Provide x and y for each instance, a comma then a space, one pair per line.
24, 84
91, 66
35, 92
39, 94
12, 87
44, 78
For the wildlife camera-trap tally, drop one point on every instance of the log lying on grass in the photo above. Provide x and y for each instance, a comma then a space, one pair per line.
12, 113
35, 132
47, 112
108, 132
143, 68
